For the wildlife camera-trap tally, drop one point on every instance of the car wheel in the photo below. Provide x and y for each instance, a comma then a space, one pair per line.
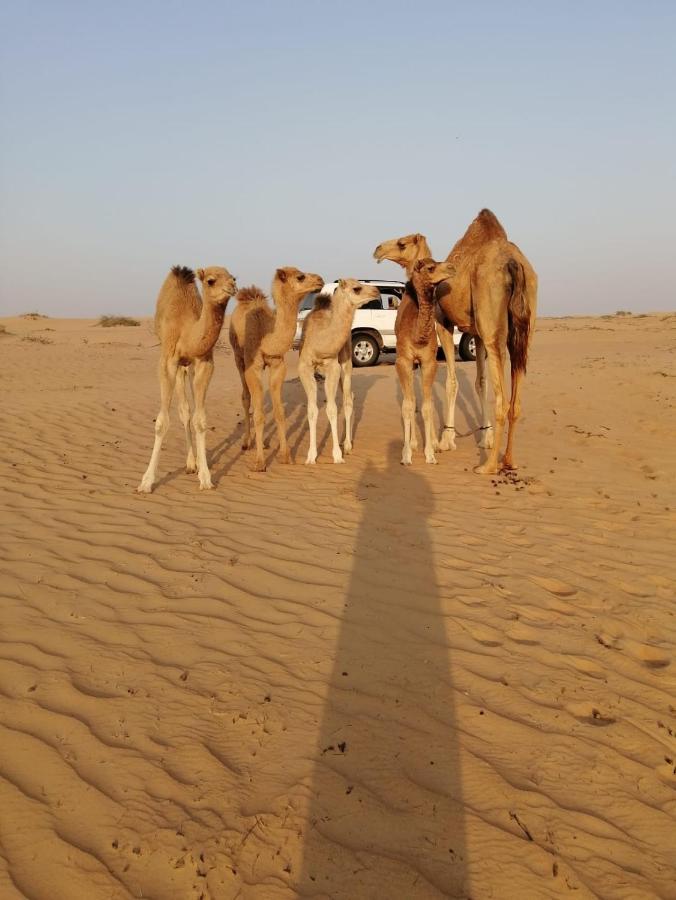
365, 350
467, 348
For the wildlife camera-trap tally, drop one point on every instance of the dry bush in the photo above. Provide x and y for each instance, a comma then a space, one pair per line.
111, 321
33, 315
37, 339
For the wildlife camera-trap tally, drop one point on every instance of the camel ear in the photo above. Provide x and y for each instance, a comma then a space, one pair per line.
200, 274
416, 238
281, 274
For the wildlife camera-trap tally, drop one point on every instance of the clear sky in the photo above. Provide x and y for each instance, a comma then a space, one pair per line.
136, 135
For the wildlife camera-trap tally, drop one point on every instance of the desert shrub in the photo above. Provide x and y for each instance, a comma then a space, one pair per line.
111, 321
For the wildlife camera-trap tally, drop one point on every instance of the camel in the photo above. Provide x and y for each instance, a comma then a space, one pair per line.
493, 295
260, 338
417, 342
326, 345
188, 327
406, 251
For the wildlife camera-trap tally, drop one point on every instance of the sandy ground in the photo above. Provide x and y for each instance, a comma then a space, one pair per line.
341, 681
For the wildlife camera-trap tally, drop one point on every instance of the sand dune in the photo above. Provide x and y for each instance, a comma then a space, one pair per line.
340, 681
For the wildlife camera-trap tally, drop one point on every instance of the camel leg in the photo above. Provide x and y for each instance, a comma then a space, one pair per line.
428, 373
254, 382
331, 388
246, 406
204, 369
183, 391
481, 386
168, 370
277, 376
514, 414
345, 360
405, 372
447, 437
496, 366
306, 373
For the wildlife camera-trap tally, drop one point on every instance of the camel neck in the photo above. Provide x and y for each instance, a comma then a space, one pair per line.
208, 327
425, 322
339, 325
279, 341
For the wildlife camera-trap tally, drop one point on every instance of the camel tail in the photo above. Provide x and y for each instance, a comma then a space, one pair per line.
519, 317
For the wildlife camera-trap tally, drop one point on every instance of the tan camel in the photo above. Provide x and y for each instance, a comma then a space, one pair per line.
260, 339
188, 327
417, 343
406, 251
493, 295
326, 345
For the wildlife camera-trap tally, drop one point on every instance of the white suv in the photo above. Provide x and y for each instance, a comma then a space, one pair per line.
373, 326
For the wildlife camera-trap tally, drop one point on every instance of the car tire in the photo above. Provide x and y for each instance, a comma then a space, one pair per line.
365, 350
467, 348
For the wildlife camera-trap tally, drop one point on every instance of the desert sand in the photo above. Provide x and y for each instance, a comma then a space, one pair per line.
338, 681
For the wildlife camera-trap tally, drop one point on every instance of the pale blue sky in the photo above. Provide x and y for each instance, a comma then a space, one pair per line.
141, 134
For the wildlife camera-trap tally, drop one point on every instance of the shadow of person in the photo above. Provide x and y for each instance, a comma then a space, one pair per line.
385, 812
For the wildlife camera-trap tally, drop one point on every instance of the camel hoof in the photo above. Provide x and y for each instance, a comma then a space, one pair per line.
310, 461
259, 466
447, 443
144, 488
406, 460
431, 460
190, 470
347, 449
285, 458
337, 460
206, 485
486, 469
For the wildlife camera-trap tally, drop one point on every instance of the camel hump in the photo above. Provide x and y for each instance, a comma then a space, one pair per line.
251, 294
183, 274
490, 225
484, 228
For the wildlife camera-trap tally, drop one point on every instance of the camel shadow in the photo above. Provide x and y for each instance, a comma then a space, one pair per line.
386, 815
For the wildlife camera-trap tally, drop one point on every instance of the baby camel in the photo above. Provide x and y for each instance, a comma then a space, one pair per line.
417, 342
260, 339
326, 345
188, 327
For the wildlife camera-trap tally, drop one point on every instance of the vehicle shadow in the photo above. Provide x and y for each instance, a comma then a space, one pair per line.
386, 816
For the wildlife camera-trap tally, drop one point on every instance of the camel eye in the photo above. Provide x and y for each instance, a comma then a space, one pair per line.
301, 277
357, 290
401, 245
211, 281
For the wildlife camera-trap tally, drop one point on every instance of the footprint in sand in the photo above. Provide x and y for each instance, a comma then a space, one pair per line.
587, 712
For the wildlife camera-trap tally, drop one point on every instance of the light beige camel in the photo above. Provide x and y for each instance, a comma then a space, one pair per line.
188, 327
327, 346
493, 295
406, 251
260, 339
417, 343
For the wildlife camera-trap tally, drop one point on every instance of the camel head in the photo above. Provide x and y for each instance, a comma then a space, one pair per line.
290, 285
218, 285
432, 272
356, 293
404, 250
